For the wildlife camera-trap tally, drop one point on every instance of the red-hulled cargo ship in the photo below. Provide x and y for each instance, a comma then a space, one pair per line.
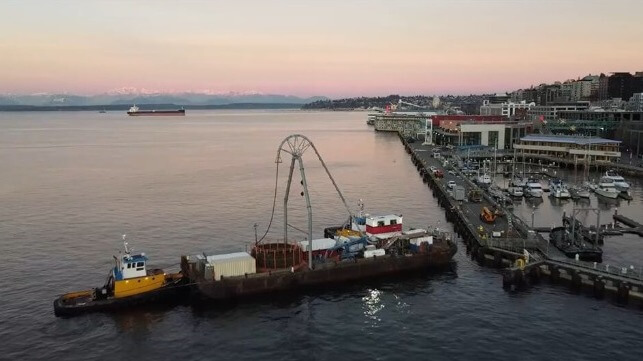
135, 111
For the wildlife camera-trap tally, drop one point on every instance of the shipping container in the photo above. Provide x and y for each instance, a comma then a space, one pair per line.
232, 264
420, 240
318, 244
414, 231
369, 253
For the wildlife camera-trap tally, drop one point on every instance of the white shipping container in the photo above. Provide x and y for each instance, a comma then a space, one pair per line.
420, 240
232, 264
369, 253
319, 244
414, 231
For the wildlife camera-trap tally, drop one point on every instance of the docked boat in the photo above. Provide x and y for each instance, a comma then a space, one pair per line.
619, 181
515, 191
588, 234
135, 111
484, 179
364, 247
579, 192
606, 188
533, 189
575, 246
129, 283
558, 189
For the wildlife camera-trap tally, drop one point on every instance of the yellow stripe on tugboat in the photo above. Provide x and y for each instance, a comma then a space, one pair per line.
134, 286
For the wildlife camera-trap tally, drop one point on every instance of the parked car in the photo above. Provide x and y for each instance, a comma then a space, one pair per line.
451, 184
438, 173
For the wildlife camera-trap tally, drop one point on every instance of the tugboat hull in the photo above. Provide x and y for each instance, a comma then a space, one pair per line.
171, 293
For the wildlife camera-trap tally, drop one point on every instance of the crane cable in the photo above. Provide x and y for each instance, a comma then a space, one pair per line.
274, 202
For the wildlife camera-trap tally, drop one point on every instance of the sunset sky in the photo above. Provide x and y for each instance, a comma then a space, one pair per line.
332, 48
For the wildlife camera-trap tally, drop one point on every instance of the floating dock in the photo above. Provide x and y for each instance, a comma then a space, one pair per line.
509, 242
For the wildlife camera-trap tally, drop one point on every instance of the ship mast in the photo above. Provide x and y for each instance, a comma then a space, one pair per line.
296, 145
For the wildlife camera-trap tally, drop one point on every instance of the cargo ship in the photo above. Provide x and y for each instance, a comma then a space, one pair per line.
135, 111
130, 283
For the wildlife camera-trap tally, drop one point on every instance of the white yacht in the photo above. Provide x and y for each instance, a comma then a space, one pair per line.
515, 191
484, 179
558, 189
533, 188
606, 188
619, 181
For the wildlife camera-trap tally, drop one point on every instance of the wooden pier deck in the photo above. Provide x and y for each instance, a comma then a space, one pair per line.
514, 239
635, 227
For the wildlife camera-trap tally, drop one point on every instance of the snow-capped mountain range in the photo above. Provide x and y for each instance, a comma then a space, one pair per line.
130, 95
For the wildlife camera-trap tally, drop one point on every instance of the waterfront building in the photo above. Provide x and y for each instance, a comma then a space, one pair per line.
573, 149
506, 108
485, 130
616, 124
408, 124
550, 112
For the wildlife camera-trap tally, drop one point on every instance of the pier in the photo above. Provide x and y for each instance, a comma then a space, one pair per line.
511, 244
635, 227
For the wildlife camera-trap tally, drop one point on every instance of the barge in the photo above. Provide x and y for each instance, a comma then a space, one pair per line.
275, 267
364, 247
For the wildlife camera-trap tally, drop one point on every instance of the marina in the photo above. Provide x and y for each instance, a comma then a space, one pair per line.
509, 242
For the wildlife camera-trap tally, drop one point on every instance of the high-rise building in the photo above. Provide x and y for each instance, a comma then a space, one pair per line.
602, 86
623, 85
636, 102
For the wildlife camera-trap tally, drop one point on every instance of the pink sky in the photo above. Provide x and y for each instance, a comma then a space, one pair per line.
333, 48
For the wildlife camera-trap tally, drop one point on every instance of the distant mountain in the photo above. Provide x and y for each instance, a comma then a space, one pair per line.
129, 96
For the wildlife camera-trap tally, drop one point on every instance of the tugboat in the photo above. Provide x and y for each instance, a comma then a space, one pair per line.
129, 283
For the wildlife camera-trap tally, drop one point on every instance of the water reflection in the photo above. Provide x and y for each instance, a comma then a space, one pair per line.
137, 322
372, 304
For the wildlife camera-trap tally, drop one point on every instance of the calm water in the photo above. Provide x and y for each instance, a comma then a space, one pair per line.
73, 183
